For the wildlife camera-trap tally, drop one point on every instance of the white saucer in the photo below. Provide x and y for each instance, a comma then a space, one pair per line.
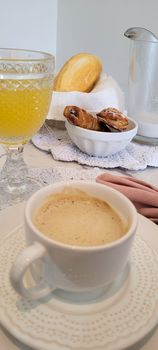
116, 320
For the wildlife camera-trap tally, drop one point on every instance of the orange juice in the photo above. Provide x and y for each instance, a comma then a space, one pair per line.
24, 105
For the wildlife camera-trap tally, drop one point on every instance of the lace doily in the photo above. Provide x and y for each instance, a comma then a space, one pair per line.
134, 157
51, 175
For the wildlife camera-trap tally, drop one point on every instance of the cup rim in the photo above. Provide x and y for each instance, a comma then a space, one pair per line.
130, 232
43, 55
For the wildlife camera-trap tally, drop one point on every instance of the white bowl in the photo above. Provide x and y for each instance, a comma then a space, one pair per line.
101, 143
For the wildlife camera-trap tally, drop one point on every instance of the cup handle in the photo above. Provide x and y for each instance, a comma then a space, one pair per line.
21, 264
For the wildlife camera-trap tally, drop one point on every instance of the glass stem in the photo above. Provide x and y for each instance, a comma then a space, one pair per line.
14, 171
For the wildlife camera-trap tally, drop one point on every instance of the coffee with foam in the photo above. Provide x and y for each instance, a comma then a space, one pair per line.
76, 218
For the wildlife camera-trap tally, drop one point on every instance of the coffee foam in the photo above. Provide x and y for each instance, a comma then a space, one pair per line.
73, 217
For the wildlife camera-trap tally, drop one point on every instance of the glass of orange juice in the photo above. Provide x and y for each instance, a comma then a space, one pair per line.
26, 79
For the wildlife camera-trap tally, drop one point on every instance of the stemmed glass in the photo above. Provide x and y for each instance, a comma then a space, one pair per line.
26, 79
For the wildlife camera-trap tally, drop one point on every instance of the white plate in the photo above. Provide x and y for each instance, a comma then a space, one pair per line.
116, 320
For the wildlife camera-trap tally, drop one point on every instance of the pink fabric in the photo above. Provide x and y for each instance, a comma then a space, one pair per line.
143, 195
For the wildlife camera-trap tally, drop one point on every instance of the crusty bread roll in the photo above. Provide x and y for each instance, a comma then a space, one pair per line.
79, 73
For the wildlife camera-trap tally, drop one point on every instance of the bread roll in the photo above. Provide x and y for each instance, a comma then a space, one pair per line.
79, 73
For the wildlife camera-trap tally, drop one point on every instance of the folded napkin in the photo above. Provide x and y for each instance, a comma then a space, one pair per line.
106, 93
143, 195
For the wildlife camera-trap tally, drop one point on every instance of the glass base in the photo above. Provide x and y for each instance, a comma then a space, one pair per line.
146, 140
10, 196
15, 183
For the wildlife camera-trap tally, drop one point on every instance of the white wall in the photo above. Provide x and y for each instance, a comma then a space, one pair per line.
98, 26
66, 27
29, 24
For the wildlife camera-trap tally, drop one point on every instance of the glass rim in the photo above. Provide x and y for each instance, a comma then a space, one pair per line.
46, 55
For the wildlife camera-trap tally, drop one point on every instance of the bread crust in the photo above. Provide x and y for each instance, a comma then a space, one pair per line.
80, 73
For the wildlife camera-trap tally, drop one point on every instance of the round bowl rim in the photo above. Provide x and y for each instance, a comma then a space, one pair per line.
98, 135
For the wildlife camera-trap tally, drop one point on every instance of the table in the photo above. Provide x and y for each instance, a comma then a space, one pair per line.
34, 157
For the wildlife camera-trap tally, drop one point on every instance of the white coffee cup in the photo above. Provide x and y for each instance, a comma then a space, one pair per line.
73, 268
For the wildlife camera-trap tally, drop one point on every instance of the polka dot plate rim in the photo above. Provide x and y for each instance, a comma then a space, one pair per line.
114, 322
